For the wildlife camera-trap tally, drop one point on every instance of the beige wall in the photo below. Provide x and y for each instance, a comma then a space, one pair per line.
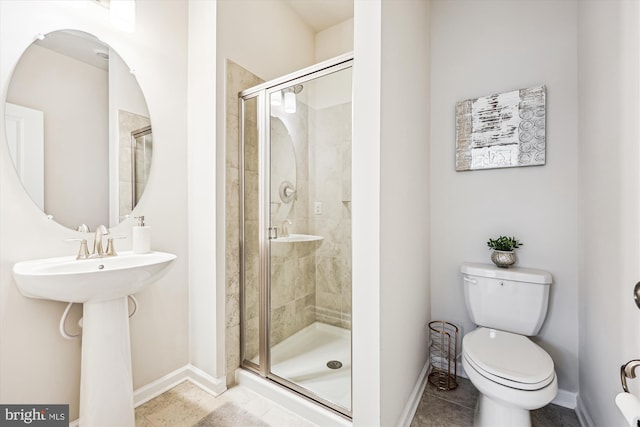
405, 192
36, 364
334, 40
390, 209
278, 43
206, 276
609, 107
537, 204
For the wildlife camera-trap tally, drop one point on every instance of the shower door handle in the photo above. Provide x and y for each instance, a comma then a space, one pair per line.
273, 233
636, 294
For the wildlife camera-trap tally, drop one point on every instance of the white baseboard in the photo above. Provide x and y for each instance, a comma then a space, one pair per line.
208, 383
415, 396
583, 414
211, 385
566, 399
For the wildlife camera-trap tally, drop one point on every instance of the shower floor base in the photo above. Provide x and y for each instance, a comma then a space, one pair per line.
302, 359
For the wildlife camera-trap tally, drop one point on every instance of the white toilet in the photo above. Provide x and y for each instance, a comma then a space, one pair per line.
513, 374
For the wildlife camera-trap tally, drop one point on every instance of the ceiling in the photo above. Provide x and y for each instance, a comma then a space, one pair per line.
78, 45
322, 14
317, 14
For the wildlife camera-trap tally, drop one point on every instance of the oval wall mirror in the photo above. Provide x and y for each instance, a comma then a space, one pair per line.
78, 130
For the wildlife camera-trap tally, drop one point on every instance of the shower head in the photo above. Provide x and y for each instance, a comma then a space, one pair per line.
289, 95
295, 89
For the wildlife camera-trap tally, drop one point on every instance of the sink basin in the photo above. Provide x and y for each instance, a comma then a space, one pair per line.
91, 280
293, 238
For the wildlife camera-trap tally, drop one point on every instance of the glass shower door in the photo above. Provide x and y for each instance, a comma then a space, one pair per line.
310, 237
295, 233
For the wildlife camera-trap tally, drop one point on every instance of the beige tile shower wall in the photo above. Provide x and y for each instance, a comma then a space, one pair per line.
238, 79
331, 169
293, 265
252, 232
293, 272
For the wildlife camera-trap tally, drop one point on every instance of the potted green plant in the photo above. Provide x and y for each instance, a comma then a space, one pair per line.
503, 247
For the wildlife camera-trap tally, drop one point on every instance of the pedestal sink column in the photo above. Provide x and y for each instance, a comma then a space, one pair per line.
106, 385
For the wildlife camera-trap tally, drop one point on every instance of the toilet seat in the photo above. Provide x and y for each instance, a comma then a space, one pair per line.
508, 359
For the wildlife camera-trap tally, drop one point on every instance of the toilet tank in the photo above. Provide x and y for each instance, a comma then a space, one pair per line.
510, 299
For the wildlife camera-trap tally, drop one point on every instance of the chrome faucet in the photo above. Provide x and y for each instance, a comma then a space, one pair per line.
285, 228
98, 249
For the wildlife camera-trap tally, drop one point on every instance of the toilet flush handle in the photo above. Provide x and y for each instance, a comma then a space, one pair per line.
472, 281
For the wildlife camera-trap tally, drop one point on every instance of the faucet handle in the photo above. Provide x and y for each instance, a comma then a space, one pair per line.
111, 247
83, 251
102, 229
83, 228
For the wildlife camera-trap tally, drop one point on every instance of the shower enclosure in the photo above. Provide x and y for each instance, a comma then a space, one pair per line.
141, 153
295, 237
135, 145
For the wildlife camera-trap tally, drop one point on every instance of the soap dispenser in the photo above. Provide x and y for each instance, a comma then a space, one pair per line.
141, 237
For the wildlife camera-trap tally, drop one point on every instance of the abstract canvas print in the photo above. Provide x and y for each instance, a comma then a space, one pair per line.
502, 130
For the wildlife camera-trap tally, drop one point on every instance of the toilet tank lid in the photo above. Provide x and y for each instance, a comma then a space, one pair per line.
517, 274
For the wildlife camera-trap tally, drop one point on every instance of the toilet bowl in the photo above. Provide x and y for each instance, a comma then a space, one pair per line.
512, 374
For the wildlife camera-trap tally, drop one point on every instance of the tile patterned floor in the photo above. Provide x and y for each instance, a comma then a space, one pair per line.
186, 405
455, 408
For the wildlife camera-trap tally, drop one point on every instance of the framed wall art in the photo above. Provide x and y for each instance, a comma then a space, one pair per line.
502, 130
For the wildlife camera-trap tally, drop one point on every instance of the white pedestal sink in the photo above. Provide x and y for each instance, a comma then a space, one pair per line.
102, 286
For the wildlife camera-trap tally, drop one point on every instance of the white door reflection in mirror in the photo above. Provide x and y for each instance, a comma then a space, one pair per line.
25, 135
